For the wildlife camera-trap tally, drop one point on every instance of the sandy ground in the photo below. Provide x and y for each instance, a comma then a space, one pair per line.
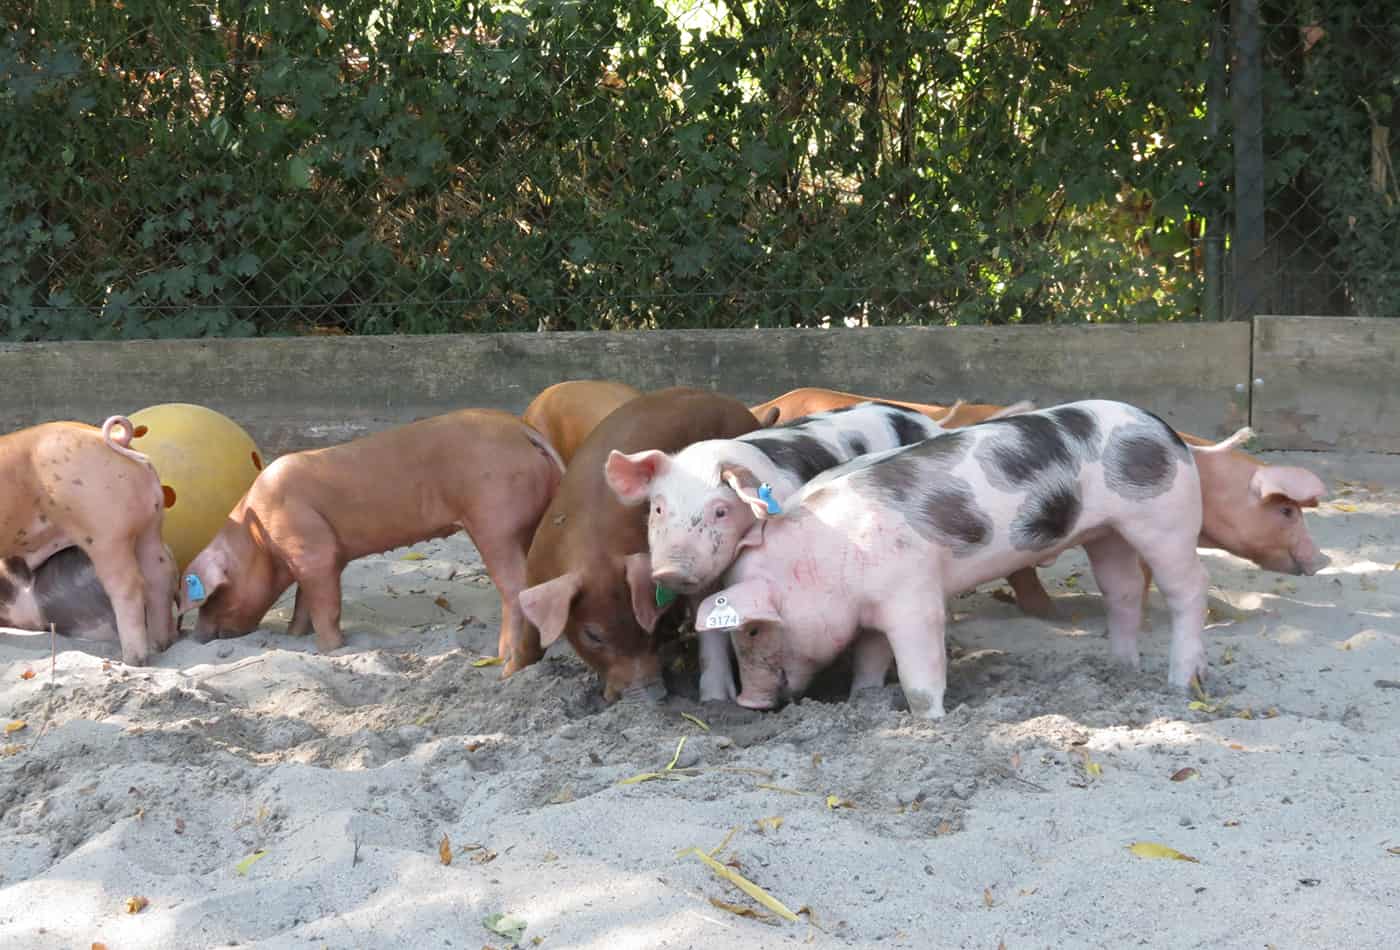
1008, 823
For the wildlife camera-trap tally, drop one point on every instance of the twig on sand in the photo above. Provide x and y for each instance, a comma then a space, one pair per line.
240, 665
1026, 781
53, 686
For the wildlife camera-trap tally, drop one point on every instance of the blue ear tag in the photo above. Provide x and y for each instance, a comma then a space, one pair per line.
664, 596
194, 587
765, 495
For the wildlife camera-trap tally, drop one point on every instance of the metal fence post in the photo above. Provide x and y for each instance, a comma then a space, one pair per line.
1214, 237
1249, 242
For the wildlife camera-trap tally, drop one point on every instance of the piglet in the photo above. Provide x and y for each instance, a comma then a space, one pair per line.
64, 592
809, 400
876, 547
308, 514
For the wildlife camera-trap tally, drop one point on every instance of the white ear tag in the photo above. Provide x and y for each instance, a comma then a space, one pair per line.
723, 617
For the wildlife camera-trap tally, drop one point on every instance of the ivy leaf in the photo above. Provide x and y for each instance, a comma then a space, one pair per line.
247, 264
580, 250
299, 172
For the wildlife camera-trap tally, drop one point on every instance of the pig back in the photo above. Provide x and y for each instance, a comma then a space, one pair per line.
566, 413
585, 519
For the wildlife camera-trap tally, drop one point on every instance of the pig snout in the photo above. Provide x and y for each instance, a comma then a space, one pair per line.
676, 576
635, 680
764, 691
754, 699
1311, 565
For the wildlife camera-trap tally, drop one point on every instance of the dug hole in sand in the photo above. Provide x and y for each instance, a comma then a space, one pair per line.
256, 794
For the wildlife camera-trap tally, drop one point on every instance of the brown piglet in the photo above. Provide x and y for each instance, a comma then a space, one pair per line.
309, 514
589, 571
797, 403
567, 412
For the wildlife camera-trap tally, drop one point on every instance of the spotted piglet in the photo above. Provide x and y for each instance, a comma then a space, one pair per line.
869, 552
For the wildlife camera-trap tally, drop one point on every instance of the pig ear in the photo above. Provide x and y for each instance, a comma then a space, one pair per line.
737, 607
1015, 409
769, 417
753, 537
643, 591
745, 485
630, 476
945, 421
547, 605
1287, 481
204, 575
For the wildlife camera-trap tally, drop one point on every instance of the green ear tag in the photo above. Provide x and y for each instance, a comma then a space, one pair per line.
664, 596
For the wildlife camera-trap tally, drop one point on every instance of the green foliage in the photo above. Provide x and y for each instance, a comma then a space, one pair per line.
1333, 146
230, 168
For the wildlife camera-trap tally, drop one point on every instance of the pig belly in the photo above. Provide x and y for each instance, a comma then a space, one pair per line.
962, 574
820, 625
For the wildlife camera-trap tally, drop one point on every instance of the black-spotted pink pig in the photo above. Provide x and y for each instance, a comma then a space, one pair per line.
874, 548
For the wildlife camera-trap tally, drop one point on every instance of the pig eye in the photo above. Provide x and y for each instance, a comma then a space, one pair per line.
721, 511
1288, 511
592, 637
657, 509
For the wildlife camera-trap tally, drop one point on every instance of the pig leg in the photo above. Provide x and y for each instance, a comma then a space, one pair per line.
160, 587
322, 593
301, 615
119, 570
1031, 595
308, 546
1119, 575
504, 559
716, 672
870, 661
1182, 580
916, 634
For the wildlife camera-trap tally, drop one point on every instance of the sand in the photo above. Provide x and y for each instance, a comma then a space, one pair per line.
1007, 823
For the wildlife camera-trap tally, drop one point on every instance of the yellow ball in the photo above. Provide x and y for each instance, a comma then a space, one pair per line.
205, 461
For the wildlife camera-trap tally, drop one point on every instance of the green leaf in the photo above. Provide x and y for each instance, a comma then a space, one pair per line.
507, 925
247, 264
580, 249
299, 172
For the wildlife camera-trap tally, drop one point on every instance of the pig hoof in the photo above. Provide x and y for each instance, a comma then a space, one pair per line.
924, 703
716, 689
1181, 679
1130, 662
875, 698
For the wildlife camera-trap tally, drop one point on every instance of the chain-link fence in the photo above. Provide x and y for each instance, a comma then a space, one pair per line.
230, 168
1322, 224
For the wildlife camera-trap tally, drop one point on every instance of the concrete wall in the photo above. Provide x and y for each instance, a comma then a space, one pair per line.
1317, 382
1327, 383
304, 392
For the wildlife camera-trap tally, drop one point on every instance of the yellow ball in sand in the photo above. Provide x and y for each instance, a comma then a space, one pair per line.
205, 461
